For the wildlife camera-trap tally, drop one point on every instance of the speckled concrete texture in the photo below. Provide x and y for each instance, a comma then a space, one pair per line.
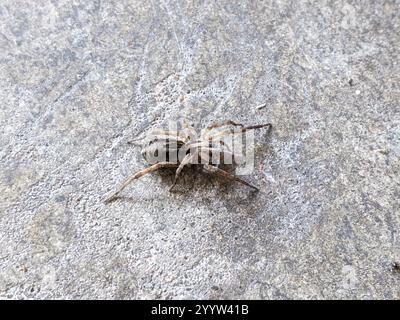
79, 79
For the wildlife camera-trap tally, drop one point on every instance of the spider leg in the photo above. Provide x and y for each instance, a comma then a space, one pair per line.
228, 132
227, 175
186, 160
157, 137
220, 125
134, 142
223, 124
167, 141
257, 126
168, 134
137, 175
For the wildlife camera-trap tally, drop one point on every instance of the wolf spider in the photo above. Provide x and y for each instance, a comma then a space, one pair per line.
197, 150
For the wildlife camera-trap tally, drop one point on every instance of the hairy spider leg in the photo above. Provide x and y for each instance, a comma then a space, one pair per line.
210, 128
170, 133
186, 160
225, 133
139, 174
226, 175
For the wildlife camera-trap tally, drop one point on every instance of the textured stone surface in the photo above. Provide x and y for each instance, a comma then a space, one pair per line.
78, 79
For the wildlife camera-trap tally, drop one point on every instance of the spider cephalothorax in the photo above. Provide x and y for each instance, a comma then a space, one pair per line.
178, 148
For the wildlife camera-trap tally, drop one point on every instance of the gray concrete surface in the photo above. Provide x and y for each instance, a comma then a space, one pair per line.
78, 79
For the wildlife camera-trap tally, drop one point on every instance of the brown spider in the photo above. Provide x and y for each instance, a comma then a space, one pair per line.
179, 148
